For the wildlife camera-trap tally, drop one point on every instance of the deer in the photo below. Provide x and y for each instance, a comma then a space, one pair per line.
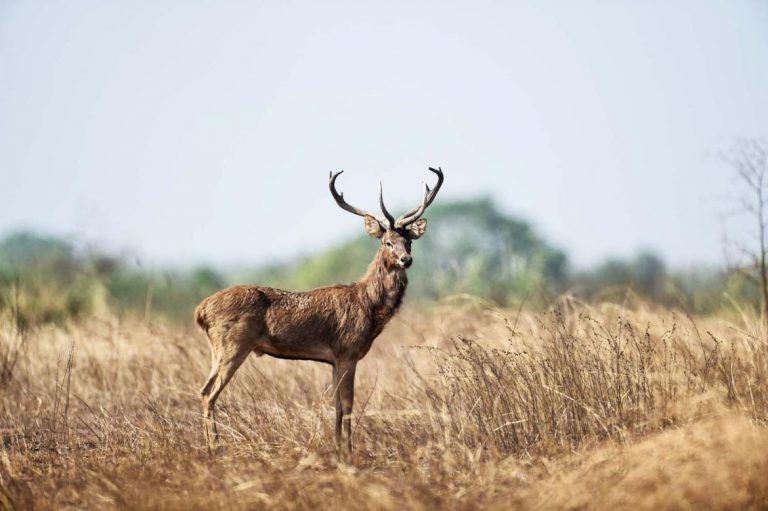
335, 325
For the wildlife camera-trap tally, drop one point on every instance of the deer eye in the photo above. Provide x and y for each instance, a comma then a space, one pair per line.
389, 244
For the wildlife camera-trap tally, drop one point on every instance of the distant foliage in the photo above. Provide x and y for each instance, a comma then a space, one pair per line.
475, 248
470, 247
47, 280
646, 274
43, 279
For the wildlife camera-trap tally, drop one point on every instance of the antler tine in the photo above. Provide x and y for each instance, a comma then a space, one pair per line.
387, 214
339, 198
414, 214
404, 220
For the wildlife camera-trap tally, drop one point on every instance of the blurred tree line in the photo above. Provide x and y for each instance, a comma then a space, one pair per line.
45, 279
471, 247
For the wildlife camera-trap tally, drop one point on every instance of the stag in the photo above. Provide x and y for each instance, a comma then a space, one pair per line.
335, 325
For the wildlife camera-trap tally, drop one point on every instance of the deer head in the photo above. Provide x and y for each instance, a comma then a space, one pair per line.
395, 235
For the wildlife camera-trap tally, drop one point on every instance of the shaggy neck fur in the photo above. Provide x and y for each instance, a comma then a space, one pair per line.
382, 289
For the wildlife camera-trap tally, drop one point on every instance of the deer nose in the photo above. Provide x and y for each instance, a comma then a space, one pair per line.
406, 260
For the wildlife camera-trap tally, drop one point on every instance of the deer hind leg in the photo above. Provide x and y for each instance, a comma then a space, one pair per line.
209, 426
225, 362
344, 382
211, 377
337, 399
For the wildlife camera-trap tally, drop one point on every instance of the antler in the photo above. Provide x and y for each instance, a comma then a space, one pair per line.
388, 220
387, 214
429, 195
339, 198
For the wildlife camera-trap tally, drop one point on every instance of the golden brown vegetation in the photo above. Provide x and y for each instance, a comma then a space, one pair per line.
463, 406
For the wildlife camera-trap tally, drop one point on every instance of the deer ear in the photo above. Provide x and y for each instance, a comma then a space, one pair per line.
417, 229
373, 227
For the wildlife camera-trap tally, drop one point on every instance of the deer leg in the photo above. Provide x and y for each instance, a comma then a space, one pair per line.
208, 425
221, 373
337, 399
345, 396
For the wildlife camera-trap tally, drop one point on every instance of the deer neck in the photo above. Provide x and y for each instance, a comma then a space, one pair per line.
382, 289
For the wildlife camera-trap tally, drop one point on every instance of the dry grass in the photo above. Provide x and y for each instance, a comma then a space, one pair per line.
460, 407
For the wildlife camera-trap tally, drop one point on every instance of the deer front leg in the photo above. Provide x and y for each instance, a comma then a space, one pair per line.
344, 381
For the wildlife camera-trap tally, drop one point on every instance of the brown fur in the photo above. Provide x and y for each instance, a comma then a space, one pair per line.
336, 324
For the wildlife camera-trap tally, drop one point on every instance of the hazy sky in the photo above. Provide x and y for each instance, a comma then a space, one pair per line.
204, 131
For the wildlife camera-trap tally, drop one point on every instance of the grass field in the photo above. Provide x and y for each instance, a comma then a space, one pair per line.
460, 406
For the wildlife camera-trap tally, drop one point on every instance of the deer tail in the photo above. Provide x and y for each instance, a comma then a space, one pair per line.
200, 316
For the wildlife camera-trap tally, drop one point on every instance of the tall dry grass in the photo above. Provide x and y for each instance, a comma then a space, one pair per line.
463, 406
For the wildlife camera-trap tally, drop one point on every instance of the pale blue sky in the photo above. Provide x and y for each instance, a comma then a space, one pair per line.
204, 131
